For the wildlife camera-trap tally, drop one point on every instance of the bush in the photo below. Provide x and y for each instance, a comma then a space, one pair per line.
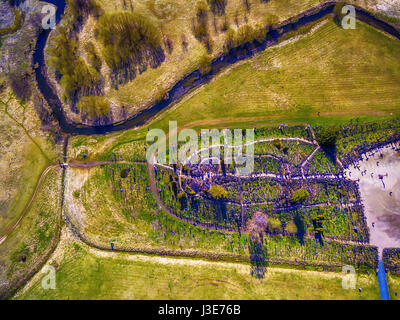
189, 190
77, 79
20, 83
94, 106
274, 225
217, 6
257, 226
200, 27
277, 144
92, 56
130, 41
244, 34
300, 196
218, 192
205, 64
291, 228
337, 13
327, 136
163, 9
81, 9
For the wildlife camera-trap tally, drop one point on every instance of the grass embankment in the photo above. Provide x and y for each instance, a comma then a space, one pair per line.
339, 73
84, 273
25, 153
27, 247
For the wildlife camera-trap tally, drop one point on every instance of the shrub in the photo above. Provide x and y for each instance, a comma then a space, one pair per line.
130, 41
163, 9
257, 226
327, 136
205, 64
278, 144
20, 84
124, 173
94, 106
230, 38
200, 27
77, 79
189, 190
337, 13
300, 196
182, 200
274, 225
291, 228
218, 192
92, 56
217, 6
76, 194
3, 84
81, 9
244, 34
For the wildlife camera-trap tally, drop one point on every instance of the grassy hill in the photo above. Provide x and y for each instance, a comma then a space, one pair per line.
338, 73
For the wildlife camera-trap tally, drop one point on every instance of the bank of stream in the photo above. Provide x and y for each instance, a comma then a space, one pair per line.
191, 81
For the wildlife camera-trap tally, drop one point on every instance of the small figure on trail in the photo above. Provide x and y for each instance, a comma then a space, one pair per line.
373, 224
112, 245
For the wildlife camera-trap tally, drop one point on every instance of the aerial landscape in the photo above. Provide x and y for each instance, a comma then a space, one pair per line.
199, 150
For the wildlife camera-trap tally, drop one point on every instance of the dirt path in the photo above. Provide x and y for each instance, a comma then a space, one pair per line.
13, 226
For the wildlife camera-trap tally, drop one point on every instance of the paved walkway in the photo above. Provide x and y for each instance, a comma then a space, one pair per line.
383, 288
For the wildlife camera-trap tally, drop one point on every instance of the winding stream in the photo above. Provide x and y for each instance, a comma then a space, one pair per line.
191, 81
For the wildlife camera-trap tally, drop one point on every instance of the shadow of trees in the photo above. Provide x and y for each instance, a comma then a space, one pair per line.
256, 228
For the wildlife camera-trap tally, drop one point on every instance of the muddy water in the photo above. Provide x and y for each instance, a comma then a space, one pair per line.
380, 193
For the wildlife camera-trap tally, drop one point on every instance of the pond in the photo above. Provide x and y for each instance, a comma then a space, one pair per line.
379, 181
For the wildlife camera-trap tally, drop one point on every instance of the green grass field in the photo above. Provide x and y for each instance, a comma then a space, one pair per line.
28, 246
25, 152
394, 287
84, 273
339, 73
